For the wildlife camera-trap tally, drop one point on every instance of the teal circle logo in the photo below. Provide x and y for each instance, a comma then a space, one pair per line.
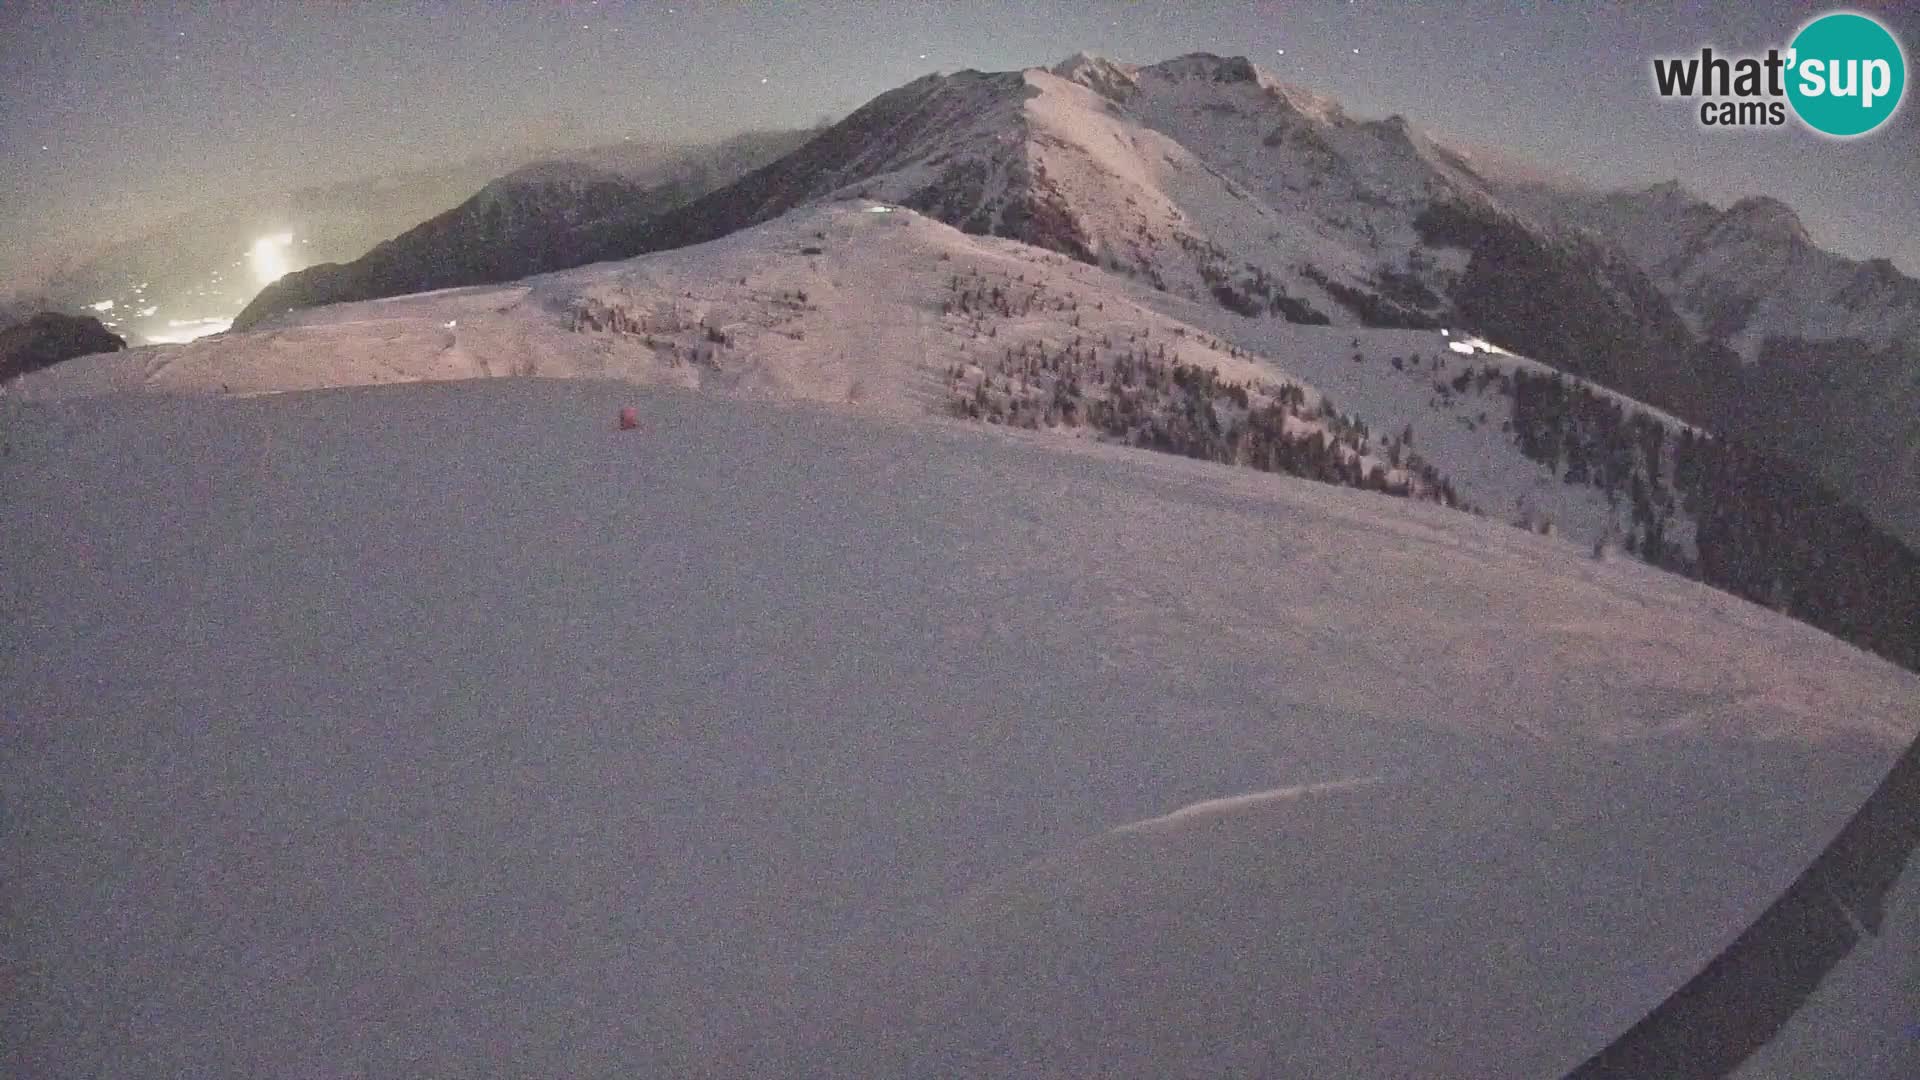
1847, 74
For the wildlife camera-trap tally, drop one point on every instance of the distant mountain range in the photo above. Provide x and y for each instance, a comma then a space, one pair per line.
546, 216
193, 273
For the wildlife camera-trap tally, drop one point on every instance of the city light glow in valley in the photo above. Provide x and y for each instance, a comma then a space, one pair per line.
268, 257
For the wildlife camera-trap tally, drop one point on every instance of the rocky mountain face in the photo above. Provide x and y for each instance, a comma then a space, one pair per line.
545, 216
49, 337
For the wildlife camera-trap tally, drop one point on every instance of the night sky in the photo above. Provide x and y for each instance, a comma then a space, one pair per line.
118, 114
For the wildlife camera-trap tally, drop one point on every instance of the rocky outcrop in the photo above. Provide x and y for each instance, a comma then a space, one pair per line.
49, 337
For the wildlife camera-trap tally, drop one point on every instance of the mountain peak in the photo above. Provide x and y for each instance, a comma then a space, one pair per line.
1670, 191
1395, 128
1099, 74
1084, 61
1764, 216
1234, 71
1208, 66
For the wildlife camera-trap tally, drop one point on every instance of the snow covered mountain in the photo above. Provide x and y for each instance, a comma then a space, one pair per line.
1206, 178
1203, 176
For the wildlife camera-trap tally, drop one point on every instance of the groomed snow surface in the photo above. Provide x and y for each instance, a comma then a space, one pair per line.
445, 730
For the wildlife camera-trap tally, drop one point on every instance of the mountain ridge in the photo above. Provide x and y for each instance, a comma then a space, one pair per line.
874, 307
536, 218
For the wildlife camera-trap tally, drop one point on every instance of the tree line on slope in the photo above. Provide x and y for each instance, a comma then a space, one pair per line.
1150, 400
1764, 530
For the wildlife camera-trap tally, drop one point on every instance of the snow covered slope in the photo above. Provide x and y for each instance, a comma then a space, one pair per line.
1294, 153
837, 303
443, 729
867, 303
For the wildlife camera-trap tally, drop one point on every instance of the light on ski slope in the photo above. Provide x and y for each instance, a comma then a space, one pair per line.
1472, 345
269, 257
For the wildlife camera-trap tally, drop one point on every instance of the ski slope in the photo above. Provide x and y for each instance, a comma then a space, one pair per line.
443, 729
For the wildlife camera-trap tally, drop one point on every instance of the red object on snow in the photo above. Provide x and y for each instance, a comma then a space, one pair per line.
629, 419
